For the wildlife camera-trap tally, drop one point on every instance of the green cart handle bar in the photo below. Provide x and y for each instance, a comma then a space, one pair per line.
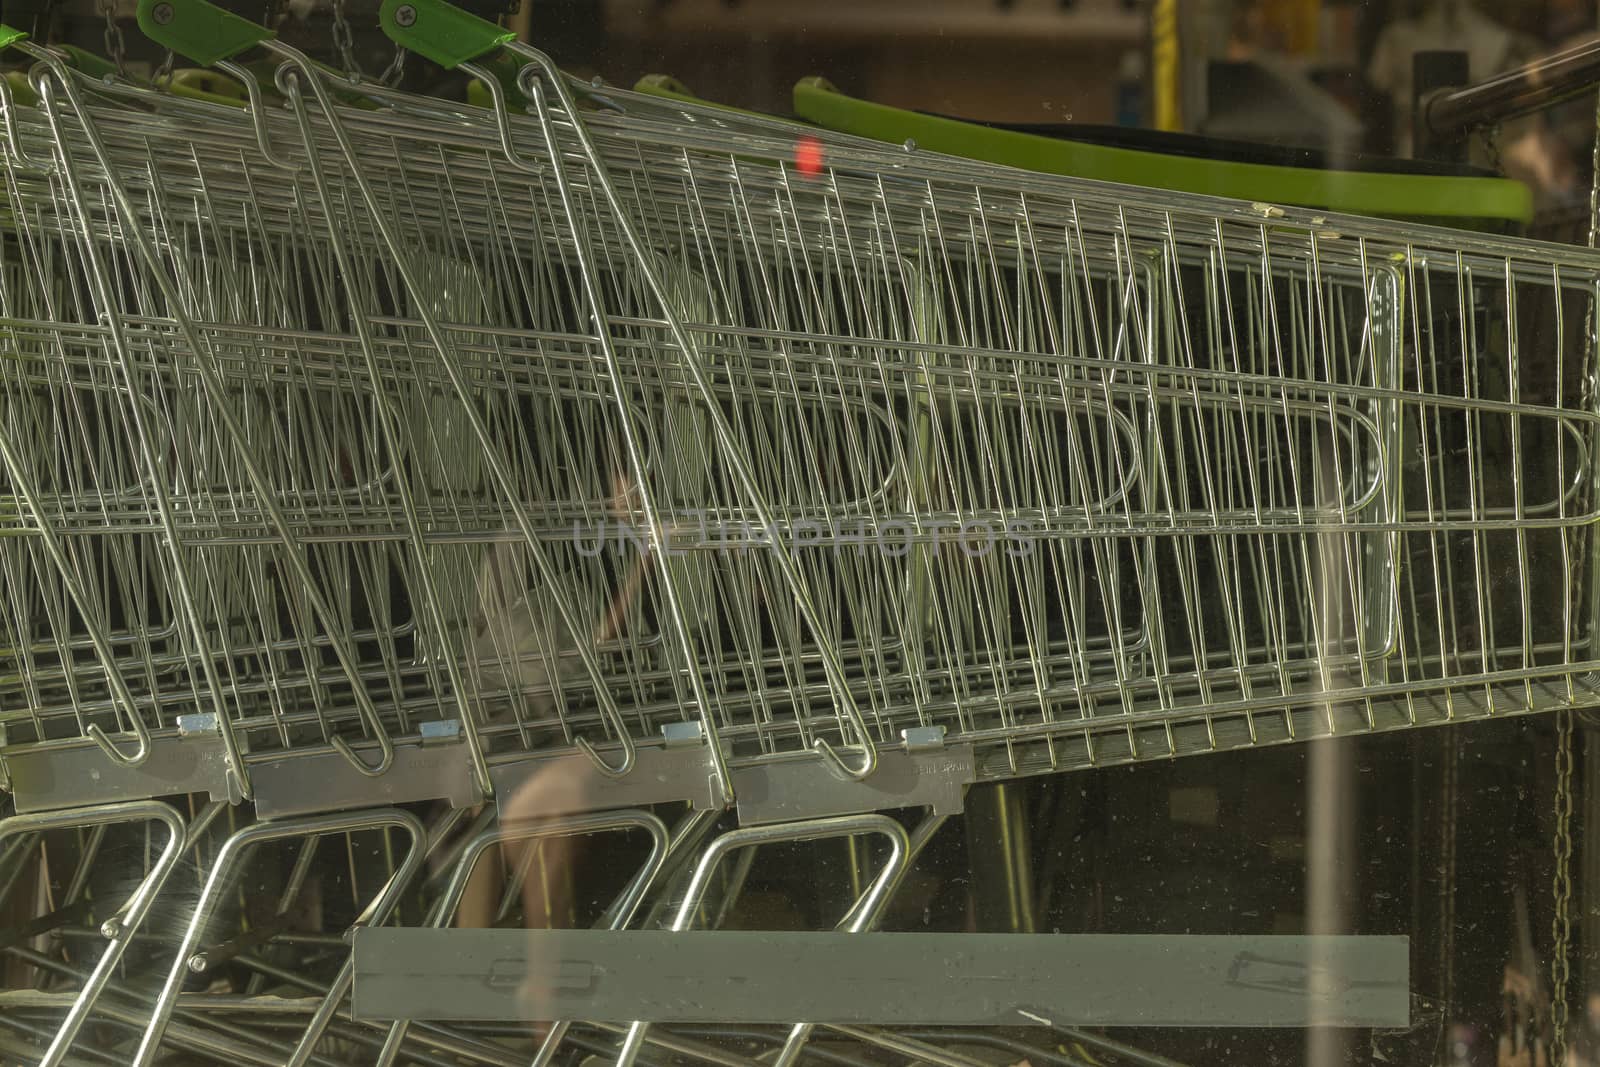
194, 84
1416, 196
203, 33
440, 32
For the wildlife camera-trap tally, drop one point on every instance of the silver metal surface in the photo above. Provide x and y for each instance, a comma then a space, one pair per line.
571, 784
668, 472
118, 929
775, 792
1077, 477
84, 776
884, 979
314, 784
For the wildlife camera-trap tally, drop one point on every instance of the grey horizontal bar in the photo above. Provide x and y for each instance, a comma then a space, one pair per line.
77, 777
811, 789
882, 979
314, 784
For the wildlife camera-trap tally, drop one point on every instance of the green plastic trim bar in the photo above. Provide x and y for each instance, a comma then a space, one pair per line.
21, 91
195, 84
86, 61
440, 32
503, 67
198, 31
1417, 196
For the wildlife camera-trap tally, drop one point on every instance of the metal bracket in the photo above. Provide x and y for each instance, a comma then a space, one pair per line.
679, 771
194, 762
925, 777
436, 768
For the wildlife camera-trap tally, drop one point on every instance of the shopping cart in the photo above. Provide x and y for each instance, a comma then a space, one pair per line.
368, 456
922, 452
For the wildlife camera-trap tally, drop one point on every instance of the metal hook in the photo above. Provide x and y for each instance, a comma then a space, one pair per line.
869, 759
539, 62
141, 751
257, 109
502, 116
599, 761
9, 105
528, 85
371, 770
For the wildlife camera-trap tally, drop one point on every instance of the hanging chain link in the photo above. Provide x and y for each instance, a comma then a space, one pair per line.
1561, 924
164, 72
344, 41
395, 70
1449, 863
116, 50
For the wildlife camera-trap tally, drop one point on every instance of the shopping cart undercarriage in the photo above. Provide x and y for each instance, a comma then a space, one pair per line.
378, 474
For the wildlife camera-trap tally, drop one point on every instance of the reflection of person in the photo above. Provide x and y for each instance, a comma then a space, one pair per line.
1585, 1041
519, 639
1522, 1042
520, 643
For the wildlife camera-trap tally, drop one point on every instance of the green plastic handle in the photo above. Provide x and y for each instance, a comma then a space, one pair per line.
21, 91
207, 85
439, 31
1416, 196
198, 30
86, 61
503, 67
9, 36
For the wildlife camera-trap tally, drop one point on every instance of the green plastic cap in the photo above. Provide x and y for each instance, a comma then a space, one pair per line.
9, 36
436, 30
199, 31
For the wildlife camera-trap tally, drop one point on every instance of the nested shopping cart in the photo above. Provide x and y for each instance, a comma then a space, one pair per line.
363, 455
333, 427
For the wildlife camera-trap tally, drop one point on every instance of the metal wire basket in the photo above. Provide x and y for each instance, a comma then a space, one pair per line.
331, 424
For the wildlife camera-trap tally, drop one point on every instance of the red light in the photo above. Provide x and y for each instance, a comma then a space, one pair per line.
808, 156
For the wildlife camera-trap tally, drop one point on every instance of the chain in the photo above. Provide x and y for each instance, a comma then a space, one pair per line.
396, 69
1561, 923
345, 42
1448, 862
164, 71
115, 49
1594, 190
